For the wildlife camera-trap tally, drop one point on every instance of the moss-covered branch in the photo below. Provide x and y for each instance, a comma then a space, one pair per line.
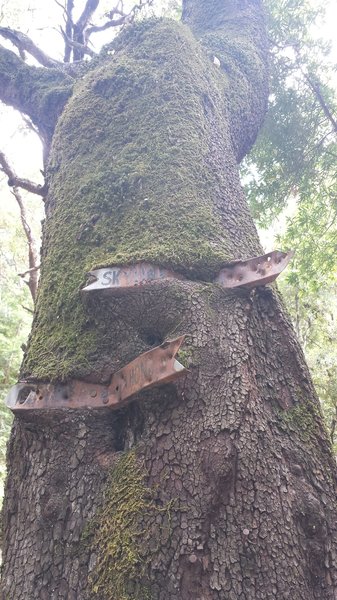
233, 31
24, 44
38, 92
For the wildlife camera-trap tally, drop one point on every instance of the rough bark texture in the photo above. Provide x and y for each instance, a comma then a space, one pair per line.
219, 487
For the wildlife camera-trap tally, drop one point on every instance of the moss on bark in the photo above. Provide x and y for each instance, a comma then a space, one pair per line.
141, 168
118, 536
41, 93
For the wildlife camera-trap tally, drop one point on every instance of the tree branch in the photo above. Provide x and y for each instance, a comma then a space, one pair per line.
107, 25
315, 87
122, 20
29, 271
79, 27
76, 46
15, 181
69, 30
234, 33
38, 92
32, 247
89, 9
24, 44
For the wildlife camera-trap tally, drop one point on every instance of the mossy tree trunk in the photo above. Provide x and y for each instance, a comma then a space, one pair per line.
221, 486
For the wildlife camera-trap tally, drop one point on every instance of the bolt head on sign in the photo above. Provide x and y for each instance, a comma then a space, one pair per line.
253, 272
155, 367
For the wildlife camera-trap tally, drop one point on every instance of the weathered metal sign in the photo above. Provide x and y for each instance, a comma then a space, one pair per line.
254, 271
128, 276
154, 367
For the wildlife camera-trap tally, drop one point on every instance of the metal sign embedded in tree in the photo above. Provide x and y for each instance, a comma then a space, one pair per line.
157, 366
128, 276
252, 272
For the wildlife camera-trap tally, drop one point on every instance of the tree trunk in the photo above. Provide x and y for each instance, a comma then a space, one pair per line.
220, 486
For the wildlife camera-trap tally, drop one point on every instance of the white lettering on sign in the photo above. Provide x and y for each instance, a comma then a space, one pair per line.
129, 276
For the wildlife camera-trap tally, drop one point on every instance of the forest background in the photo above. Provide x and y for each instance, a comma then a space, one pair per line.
290, 178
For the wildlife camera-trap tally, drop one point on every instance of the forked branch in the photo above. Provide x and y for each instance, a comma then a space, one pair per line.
118, 17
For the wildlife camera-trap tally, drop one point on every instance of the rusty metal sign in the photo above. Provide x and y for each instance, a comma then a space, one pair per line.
154, 367
129, 276
254, 271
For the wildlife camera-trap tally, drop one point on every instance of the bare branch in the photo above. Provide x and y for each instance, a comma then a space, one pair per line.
15, 181
29, 271
23, 346
81, 48
89, 9
69, 30
123, 18
316, 88
24, 44
60, 5
107, 25
33, 278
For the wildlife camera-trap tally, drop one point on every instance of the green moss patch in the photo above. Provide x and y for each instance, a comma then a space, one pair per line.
120, 534
128, 181
132, 178
302, 419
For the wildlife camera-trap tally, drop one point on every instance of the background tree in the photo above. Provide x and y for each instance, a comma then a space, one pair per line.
291, 171
224, 483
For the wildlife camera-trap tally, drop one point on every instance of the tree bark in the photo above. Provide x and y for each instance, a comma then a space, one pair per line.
223, 484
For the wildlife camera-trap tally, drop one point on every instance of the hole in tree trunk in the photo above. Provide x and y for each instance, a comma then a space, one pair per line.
151, 338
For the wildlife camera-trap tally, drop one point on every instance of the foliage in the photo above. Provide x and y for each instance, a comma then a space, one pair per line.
293, 164
15, 319
314, 316
291, 181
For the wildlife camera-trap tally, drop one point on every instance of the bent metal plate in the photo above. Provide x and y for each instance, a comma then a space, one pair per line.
128, 276
155, 367
256, 271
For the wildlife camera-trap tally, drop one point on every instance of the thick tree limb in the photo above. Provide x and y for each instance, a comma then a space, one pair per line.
234, 33
24, 44
80, 26
89, 9
15, 181
33, 277
38, 92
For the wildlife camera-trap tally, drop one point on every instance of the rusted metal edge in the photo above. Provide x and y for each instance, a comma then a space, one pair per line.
256, 271
252, 272
128, 277
157, 366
